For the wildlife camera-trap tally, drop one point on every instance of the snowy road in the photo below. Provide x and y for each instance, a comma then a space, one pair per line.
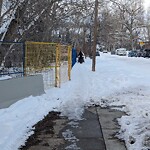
117, 81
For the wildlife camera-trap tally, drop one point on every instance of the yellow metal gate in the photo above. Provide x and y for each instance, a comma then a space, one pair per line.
52, 60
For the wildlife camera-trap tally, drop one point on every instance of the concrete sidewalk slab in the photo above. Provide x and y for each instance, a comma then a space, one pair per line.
110, 127
88, 133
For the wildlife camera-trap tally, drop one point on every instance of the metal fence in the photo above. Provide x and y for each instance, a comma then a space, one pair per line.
11, 59
52, 60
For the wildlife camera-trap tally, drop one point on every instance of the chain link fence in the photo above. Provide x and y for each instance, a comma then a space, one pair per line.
11, 59
52, 60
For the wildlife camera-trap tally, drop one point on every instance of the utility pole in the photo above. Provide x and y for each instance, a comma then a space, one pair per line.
95, 36
1, 3
84, 41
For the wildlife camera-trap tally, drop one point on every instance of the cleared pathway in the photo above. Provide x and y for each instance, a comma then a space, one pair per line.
87, 132
96, 131
110, 127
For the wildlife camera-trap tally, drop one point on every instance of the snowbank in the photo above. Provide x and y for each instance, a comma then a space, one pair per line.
118, 81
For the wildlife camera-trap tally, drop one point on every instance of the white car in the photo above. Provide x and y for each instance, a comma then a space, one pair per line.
121, 52
104, 51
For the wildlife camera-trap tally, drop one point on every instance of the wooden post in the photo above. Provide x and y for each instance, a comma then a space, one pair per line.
95, 36
69, 61
57, 66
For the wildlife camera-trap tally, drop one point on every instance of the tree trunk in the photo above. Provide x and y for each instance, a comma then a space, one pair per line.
95, 36
1, 2
148, 30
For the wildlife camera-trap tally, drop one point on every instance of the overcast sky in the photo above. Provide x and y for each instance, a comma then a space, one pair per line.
146, 3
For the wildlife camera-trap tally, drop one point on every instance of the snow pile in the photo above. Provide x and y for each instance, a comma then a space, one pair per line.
118, 81
135, 127
5, 77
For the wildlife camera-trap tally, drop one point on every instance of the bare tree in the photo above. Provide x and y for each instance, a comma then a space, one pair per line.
1, 2
131, 14
7, 10
147, 25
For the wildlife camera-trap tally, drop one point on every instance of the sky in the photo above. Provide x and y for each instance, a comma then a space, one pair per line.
146, 3
117, 81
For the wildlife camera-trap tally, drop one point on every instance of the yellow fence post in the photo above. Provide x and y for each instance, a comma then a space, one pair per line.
25, 59
57, 66
69, 61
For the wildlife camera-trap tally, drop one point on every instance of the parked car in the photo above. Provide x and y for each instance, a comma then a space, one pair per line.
105, 51
132, 54
147, 53
121, 52
137, 53
143, 53
97, 53
113, 52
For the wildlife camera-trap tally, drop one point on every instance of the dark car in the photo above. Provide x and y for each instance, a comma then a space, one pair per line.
113, 52
132, 54
147, 53
139, 53
97, 53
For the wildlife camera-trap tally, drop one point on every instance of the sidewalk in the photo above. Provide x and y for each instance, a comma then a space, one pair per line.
95, 132
110, 127
88, 133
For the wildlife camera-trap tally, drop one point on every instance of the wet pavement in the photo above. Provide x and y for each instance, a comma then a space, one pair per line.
96, 131
108, 119
87, 132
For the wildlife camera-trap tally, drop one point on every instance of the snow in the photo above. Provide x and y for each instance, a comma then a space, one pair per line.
119, 81
5, 77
